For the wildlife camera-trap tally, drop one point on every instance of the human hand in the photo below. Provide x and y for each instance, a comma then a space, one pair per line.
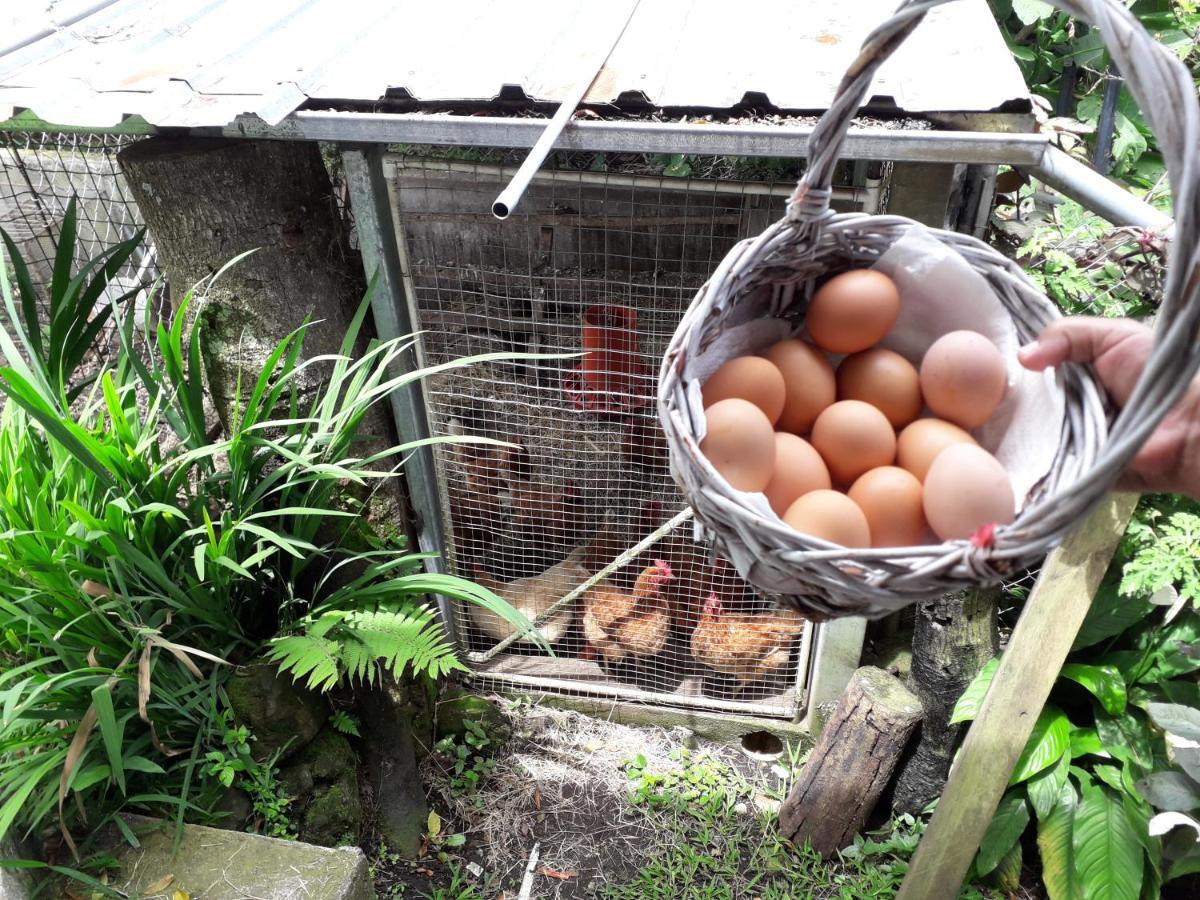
1118, 349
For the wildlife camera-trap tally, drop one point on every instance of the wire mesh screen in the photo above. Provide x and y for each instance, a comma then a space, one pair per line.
604, 264
40, 172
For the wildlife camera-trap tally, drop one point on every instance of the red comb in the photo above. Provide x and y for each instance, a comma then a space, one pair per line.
661, 565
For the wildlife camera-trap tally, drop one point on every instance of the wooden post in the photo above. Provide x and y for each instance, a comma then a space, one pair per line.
852, 762
1053, 613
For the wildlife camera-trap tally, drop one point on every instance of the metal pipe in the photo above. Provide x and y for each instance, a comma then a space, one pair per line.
399, 163
983, 147
511, 195
1104, 197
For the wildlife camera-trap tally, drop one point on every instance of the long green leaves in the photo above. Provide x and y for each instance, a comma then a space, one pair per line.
131, 567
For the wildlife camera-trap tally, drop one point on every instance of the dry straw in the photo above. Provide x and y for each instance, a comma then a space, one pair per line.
773, 274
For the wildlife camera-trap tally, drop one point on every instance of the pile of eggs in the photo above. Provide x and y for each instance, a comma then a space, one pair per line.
876, 453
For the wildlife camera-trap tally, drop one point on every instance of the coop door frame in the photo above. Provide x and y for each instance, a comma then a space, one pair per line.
828, 652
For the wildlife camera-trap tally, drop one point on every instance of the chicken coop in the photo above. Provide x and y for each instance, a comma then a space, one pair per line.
593, 274
663, 162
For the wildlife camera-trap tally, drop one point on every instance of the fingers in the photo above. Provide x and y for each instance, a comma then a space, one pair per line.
1117, 347
1078, 339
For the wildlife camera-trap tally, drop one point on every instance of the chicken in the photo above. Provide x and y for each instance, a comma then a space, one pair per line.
617, 624
750, 647
533, 596
481, 473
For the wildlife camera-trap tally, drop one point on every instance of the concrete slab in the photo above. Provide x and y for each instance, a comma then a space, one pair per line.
213, 864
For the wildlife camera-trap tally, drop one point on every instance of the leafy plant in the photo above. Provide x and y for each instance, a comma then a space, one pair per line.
234, 766
467, 759
139, 558
1046, 43
1081, 781
344, 723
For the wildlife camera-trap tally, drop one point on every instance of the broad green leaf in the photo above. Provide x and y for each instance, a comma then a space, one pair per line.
1008, 871
1126, 737
1085, 741
1179, 720
1188, 864
1170, 791
111, 731
1045, 787
1110, 613
1056, 847
1030, 11
1108, 855
1009, 822
967, 707
1050, 739
1104, 682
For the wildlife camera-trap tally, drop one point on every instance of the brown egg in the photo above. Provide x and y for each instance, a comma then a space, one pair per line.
748, 378
808, 380
853, 311
921, 442
890, 498
967, 488
852, 437
831, 516
886, 380
740, 443
798, 470
963, 378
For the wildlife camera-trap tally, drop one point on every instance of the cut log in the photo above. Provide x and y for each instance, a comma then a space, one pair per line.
954, 636
852, 762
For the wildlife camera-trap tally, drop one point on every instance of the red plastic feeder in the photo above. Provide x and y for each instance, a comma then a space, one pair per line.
611, 378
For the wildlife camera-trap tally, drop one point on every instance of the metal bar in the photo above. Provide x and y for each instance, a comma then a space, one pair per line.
404, 164
393, 317
504, 204
620, 692
642, 137
1104, 197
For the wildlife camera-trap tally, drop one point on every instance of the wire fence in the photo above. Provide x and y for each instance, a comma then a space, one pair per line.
40, 173
600, 265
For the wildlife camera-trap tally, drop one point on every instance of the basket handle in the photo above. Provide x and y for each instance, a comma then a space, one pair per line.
1164, 91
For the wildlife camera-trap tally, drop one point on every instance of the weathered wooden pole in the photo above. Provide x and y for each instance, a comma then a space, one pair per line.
1028, 669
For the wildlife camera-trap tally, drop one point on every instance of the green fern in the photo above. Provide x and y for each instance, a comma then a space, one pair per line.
360, 645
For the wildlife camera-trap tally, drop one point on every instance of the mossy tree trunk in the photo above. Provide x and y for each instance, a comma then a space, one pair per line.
953, 637
207, 200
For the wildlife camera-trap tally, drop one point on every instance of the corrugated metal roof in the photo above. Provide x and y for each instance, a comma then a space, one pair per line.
204, 62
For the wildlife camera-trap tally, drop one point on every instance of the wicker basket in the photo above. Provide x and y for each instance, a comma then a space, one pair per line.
773, 275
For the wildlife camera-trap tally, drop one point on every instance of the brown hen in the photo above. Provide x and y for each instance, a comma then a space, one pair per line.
750, 647
617, 624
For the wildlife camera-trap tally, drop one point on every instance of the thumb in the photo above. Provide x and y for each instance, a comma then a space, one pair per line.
1117, 347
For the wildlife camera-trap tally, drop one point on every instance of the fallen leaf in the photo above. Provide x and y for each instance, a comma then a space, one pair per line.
537, 797
554, 873
428, 873
159, 886
434, 825
181, 895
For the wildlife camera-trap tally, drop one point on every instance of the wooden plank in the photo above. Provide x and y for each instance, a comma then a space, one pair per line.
1029, 667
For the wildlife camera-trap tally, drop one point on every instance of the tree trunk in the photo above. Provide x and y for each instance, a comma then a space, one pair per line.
206, 200
954, 636
852, 762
